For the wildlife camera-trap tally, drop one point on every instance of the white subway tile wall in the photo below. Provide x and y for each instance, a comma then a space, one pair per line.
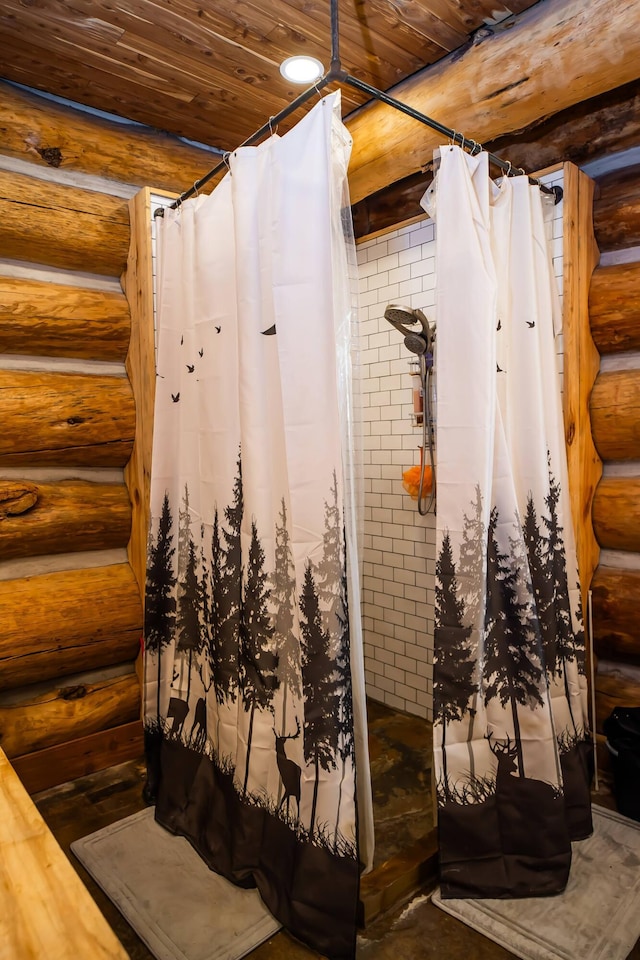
399, 544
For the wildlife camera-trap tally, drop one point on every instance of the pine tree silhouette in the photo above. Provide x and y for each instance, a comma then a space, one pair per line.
204, 610
188, 637
227, 574
542, 583
321, 700
513, 672
329, 570
579, 636
453, 669
283, 602
258, 662
471, 588
557, 571
344, 687
160, 601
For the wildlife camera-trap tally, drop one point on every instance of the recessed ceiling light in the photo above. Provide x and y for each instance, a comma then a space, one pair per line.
301, 69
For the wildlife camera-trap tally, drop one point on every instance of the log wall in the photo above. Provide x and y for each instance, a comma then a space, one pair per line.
614, 307
76, 388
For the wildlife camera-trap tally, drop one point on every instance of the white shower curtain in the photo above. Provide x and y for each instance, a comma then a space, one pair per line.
255, 714
512, 746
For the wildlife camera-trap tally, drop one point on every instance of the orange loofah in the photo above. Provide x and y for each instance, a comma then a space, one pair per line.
411, 482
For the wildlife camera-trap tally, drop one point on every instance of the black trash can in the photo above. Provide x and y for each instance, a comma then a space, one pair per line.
622, 730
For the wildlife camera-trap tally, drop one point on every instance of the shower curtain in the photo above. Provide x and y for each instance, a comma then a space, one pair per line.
254, 682
512, 745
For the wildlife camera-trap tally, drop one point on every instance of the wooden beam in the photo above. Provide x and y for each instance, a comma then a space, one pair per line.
59, 320
581, 364
614, 307
616, 513
59, 624
594, 128
61, 226
617, 685
137, 283
45, 909
615, 415
67, 713
65, 418
617, 209
67, 516
498, 86
77, 758
616, 614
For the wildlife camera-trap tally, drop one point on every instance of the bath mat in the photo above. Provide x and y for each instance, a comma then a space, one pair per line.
596, 918
180, 908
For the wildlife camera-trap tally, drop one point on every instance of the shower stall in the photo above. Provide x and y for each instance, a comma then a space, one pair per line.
399, 543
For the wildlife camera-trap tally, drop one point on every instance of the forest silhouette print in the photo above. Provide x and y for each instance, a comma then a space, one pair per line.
504, 638
219, 632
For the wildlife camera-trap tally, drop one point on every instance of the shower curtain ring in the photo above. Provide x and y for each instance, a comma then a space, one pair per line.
476, 148
522, 171
271, 130
195, 188
508, 172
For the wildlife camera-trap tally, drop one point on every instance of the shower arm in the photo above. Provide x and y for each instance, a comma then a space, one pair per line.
338, 74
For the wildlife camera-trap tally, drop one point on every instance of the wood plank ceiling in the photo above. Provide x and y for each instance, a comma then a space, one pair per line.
208, 70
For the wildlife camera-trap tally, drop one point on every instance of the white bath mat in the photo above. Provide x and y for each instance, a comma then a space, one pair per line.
596, 918
180, 908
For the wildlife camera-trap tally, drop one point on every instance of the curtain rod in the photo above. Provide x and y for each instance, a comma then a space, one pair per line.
336, 73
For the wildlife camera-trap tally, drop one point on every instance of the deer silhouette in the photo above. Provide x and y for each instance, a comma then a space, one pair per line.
525, 805
289, 770
200, 724
177, 712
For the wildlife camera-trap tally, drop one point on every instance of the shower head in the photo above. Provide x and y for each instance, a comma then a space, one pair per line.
417, 341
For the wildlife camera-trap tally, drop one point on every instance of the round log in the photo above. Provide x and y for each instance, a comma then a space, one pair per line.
66, 419
616, 212
57, 320
61, 226
66, 713
616, 614
63, 623
68, 516
51, 134
615, 415
616, 513
617, 685
614, 307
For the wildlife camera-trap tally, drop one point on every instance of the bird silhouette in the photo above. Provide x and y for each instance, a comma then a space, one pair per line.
181, 340
270, 332
191, 367
175, 397
218, 329
201, 352
499, 368
531, 323
499, 327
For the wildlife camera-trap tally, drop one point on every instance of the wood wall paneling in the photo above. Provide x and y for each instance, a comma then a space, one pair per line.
77, 758
65, 418
58, 624
62, 226
67, 713
615, 414
581, 364
61, 320
614, 307
67, 516
140, 365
